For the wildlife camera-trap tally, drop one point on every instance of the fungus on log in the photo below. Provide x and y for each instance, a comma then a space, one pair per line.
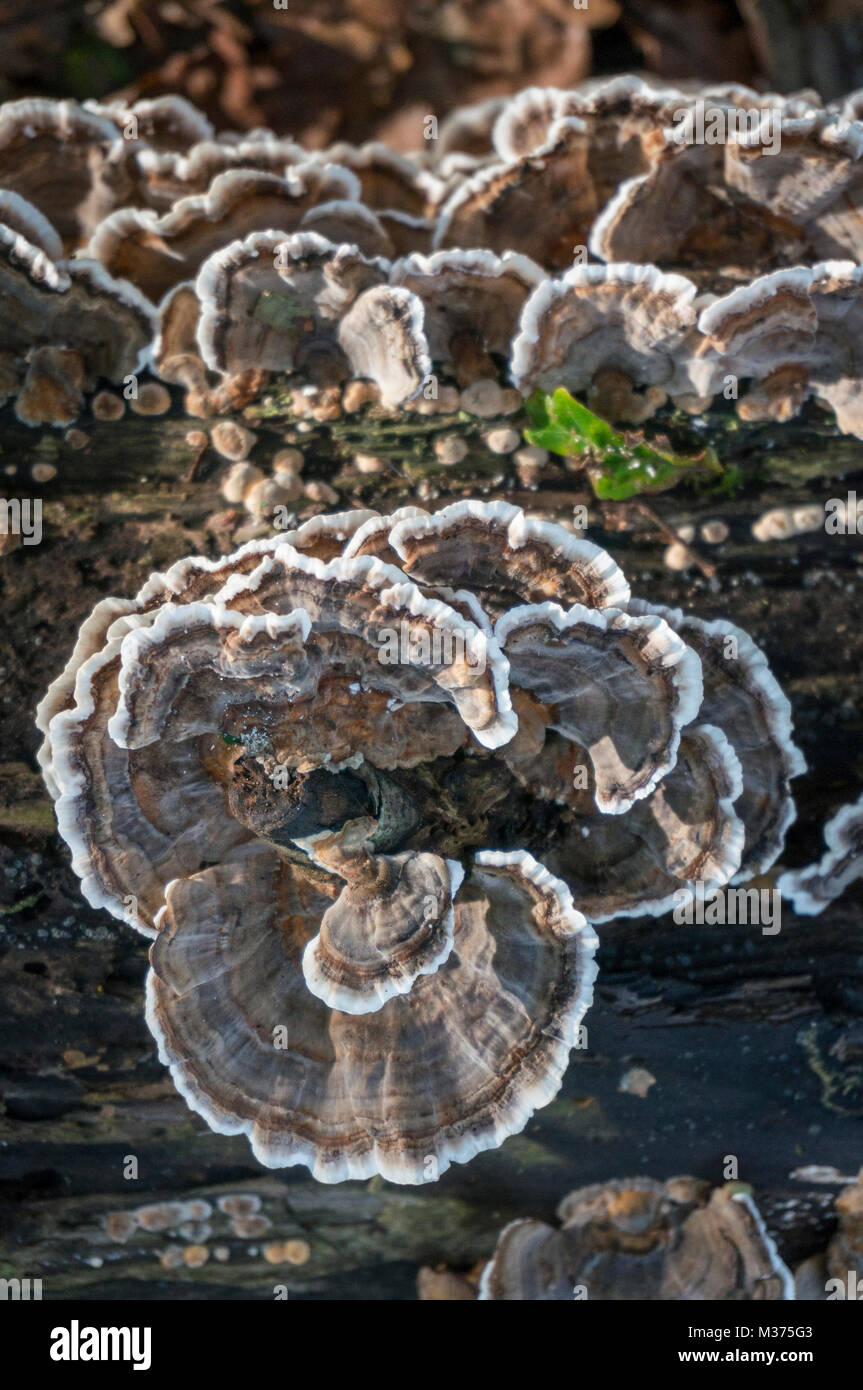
636, 1239
283, 766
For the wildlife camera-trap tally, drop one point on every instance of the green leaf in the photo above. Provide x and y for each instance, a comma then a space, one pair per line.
617, 468
555, 440
536, 406
569, 413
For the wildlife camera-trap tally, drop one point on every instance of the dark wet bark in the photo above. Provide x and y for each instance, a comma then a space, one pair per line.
755, 1041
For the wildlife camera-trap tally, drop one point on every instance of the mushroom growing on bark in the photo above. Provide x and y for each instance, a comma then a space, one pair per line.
472, 302
624, 118
70, 163
540, 205
165, 123
66, 323
490, 235
169, 175
297, 302
156, 253
636, 1239
347, 779
792, 334
610, 330
812, 889
784, 191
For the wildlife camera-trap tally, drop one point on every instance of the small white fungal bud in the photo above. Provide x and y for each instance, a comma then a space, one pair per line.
502, 441
714, 532
483, 398
288, 461
451, 449
318, 491
677, 557
232, 441
238, 480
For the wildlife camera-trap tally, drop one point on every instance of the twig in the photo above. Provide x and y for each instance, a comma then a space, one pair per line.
708, 569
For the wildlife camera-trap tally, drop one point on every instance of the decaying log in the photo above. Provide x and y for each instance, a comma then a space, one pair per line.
754, 1041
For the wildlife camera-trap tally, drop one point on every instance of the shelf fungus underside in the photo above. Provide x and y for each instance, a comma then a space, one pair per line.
369, 784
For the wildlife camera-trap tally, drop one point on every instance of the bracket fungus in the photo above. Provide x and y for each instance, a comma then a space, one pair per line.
164, 123
156, 253
472, 302
782, 191
792, 334
636, 1239
67, 324
287, 302
472, 247
366, 784
599, 325
70, 163
623, 117
812, 889
387, 181
499, 206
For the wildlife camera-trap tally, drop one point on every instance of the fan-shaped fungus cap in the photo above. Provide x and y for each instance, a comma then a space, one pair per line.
624, 119
383, 339
156, 253
781, 190
446, 659
167, 175
467, 130
618, 687
541, 205
291, 302
471, 298
743, 698
392, 922
525, 119
629, 320
165, 123
666, 216
636, 1239
793, 333
24, 219
68, 325
812, 889
343, 221
649, 859
387, 180
808, 173
279, 763
505, 557
70, 163
421, 1082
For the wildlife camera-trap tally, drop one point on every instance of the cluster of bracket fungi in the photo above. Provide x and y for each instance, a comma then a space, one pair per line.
634, 1239
372, 882
137, 238
677, 1241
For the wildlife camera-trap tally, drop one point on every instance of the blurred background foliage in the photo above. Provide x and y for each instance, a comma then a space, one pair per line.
321, 70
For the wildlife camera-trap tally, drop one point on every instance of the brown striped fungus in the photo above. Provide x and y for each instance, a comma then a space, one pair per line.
368, 785
633, 244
